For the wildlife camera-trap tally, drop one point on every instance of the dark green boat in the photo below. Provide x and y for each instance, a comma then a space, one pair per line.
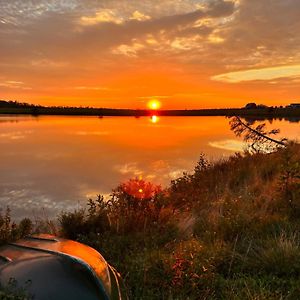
59, 269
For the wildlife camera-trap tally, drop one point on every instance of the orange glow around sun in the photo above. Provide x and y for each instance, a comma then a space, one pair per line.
154, 104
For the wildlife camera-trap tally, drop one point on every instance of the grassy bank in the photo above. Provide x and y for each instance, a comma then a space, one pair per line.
230, 230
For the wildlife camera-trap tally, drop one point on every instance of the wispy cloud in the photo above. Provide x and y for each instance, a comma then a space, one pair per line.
46, 63
92, 88
12, 84
129, 50
259, 74
102, 16
136, 15
154, 97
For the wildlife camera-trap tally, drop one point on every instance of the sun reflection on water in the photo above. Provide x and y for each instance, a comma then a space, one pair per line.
154, 119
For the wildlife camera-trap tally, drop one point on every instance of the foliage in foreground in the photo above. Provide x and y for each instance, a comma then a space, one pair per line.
12, 291
230, 230
9, 230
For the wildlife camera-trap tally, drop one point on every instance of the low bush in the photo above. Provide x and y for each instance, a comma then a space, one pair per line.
10, 231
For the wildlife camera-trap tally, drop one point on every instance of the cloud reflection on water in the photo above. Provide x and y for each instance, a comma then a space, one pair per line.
230, 145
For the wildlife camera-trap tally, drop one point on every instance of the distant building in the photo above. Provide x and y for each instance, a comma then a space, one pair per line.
294, 105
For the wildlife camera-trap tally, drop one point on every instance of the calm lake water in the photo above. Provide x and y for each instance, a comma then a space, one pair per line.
50, 163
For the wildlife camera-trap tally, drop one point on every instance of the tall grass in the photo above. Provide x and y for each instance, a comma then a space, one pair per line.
229, 230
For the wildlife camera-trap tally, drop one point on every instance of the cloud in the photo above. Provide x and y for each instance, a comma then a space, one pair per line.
73, 43
44, 39
92, 88
46, 63
103, 16
11, 84
261, 34
259, 74
136, 15
129, 50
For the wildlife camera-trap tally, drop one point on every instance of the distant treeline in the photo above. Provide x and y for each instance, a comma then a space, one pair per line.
16, 104
14, 107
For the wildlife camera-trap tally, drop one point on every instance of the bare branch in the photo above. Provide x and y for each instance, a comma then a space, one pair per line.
258, 137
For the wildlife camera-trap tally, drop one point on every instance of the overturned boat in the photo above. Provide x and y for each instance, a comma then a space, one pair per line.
59, 269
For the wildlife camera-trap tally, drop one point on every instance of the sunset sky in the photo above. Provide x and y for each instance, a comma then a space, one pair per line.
124, 53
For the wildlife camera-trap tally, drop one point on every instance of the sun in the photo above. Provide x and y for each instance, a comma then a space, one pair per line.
154, 104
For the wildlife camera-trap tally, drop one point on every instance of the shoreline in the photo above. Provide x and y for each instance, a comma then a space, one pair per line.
72, 111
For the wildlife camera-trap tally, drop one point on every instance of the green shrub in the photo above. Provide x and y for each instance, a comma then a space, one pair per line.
10, 231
